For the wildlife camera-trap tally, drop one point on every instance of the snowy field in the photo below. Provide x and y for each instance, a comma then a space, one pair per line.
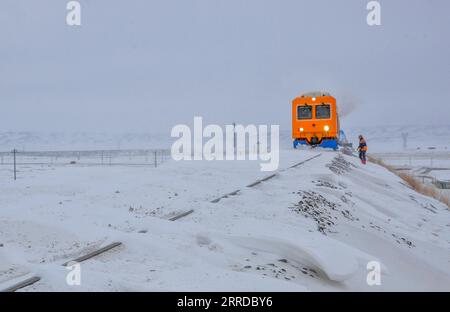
25, 159
427, 152
388, 139
312, 227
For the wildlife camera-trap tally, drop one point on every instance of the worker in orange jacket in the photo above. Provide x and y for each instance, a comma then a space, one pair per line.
362, 149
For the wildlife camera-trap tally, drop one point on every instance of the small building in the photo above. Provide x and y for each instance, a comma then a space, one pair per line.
442, 184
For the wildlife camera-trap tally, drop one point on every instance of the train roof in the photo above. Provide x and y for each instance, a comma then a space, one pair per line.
315, 94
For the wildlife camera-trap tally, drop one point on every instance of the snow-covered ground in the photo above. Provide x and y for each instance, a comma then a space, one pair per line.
312, 227
427, 151
384, 139
380, 139
66, 141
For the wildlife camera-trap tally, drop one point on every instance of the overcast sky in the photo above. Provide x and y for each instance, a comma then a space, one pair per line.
143, 65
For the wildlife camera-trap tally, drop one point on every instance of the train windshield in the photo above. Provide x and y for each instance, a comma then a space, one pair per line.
323, 111
304, 112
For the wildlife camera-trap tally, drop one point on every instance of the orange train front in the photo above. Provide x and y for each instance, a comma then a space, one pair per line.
315, 120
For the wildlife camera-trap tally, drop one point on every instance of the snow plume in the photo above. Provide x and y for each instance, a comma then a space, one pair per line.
347, 104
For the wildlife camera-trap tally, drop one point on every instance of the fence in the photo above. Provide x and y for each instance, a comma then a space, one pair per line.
150, 157
422, 165
416, 159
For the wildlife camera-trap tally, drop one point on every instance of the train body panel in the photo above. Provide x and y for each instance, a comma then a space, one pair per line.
315, 120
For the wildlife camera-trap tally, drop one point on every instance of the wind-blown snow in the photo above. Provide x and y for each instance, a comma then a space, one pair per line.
313, 227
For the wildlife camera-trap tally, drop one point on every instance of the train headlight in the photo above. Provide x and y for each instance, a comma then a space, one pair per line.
301, 129
326, 128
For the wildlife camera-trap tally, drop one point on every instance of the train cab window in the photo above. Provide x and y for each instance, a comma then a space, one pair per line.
304, 112
323, 111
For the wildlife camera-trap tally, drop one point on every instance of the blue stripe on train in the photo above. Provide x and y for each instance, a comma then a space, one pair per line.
327, 143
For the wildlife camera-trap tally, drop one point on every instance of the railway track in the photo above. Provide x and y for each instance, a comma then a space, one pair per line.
93, 253
181, 215
22, 284
34, 279
257, 182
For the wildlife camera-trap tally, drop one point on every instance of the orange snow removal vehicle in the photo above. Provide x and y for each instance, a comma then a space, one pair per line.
315, 120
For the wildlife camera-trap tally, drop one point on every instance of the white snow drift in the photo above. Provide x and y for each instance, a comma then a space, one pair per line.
312, 227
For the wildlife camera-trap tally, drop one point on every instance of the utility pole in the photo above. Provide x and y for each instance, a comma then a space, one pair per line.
234, 138
405, 139
14, 153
